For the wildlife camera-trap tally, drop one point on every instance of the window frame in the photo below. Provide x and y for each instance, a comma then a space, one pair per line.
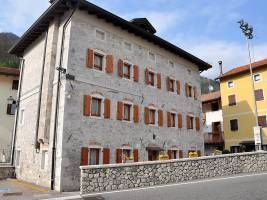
130, 114
130, 70
235, 119
173, 120
171, 83
154, 116
232, 83
101, 106
229, 102
264, 126
100, 31
262, 95
190, 88
151, 78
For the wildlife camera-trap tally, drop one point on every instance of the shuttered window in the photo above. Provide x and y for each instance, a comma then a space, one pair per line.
152, 116
109, 64
160, 118
231, 100
96, 107
259, 95
107, 109
106, 156
136, 73
262, 121
98, 61
126, 70
178, 87
84, 156
173, 117
190, 122
234, 124
158, 81
127, 112
180, 120
197, 123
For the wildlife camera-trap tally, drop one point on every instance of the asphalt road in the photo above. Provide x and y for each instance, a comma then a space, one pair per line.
241, 187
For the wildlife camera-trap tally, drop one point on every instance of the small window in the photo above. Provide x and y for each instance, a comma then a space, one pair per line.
190, 93
151, 56
11, 108
230, 84
152, 116
231, 100
262, 121
21, 116
259, 95
151, 78
215, 106
98, 61
171, 85
234, 124
44, 161
257, 77
96, 107
126, 70
15, 84
127, 112
100, 35
128, 46
17, 161
190, 122
173, 119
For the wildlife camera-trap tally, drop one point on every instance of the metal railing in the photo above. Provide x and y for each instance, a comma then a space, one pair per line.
5, 155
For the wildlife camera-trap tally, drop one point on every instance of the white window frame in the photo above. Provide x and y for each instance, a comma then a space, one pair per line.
97, 51
98, 96
100, 148
22, 116
151, 53
156, 115
126, 148
125, 46
175, 120
155, 78
174, 85
131, 70
237, 125
257, 80
228, 84
131, 110
100, 31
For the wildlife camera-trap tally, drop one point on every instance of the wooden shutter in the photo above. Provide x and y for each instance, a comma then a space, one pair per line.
195, 92
178, 87
119, 110
259, 95
199, 153
109, 64
146, 115
107, 109
158, 81
84, 156
147, 76
135, 154
168, 83
90, 58
262, 120
170, 154
197, 123
136, 114
180, 120
106, 156
181, 154
119, 156
120, 68
188, 122
136, 73
86, 105
231, 100
168, 119
186, 89
160, 118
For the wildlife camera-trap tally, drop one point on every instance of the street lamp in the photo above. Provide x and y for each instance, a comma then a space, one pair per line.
247, 30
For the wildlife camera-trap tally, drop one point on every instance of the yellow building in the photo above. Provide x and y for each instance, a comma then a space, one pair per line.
238, 106
8, 94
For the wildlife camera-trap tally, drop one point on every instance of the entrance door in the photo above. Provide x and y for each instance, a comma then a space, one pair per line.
153, 155
94, 157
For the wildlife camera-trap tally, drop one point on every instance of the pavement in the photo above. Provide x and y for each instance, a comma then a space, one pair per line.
239, 187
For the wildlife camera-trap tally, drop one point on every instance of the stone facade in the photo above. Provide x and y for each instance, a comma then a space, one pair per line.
6, 172
117, 177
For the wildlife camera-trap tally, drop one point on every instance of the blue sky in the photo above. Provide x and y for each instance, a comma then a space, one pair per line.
205, 28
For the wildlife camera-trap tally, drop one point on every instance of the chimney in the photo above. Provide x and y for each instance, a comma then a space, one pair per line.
221, 68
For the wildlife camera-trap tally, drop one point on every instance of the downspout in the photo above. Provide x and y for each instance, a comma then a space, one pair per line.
36, 142
17, 112
60, 70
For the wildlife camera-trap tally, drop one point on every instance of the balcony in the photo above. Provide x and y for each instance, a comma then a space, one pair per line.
214, 138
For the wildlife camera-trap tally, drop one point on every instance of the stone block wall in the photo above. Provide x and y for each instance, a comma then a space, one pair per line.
6, 172
145, 174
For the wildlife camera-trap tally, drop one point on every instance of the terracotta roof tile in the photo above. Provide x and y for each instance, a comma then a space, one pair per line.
244, 68
210, 96
9, 71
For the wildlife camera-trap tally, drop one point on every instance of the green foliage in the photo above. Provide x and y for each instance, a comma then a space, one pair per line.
226, 151
207, 83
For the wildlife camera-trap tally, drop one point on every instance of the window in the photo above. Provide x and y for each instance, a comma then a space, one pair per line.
44, 160
171, 85
126, 155
100, 35
127, 112
231, 100
96, 107
152, 116
126, 70
98, 61
257, 77
262, 121
151, 78
17, 161
190, 122
234, 124
21, 116
259, 95
214, 106
93, 156
173, 119
151, 56
230, 84
128, 46
11, 108
15, 84
190, 91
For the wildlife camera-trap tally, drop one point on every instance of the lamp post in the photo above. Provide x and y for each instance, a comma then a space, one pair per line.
247, 30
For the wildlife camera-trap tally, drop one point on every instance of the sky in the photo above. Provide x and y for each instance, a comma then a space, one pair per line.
206, 28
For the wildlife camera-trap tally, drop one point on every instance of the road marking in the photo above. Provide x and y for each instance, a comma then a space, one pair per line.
154, 187
28, 185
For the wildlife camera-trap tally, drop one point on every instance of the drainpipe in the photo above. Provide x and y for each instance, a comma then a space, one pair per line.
22, 61
60, 70
37, 144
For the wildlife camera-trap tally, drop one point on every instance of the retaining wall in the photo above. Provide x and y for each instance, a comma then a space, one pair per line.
144, 174
6, 172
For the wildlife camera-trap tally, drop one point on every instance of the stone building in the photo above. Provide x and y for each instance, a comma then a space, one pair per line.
97, 89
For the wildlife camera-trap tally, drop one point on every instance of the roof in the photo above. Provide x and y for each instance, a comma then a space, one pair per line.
210, 96
244, 69
9, 71
145, 24
60, 6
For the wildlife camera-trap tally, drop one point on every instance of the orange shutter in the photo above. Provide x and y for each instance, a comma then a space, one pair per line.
136, 73
135, 154
195, 92
120, 68
197, 124
180, 120
90, 58
136, 114
170, 154
168, 83
199, 153
84, 156
147, 76
168, 119
160, 118
106, 156
86, 105
109, 64
107, 109
119, 110
119, 156
178, 87
188, 122
186, 90
158, 81
146, 115
181, 154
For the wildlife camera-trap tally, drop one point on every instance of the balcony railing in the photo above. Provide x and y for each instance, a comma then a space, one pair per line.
213, 138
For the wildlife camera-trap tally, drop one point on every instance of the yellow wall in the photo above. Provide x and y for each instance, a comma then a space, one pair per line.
6, 121
244, 110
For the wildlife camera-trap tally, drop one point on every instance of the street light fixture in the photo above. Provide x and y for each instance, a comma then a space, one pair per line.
248, 30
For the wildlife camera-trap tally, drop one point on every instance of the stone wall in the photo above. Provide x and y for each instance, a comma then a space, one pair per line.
6, 172
124, 176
